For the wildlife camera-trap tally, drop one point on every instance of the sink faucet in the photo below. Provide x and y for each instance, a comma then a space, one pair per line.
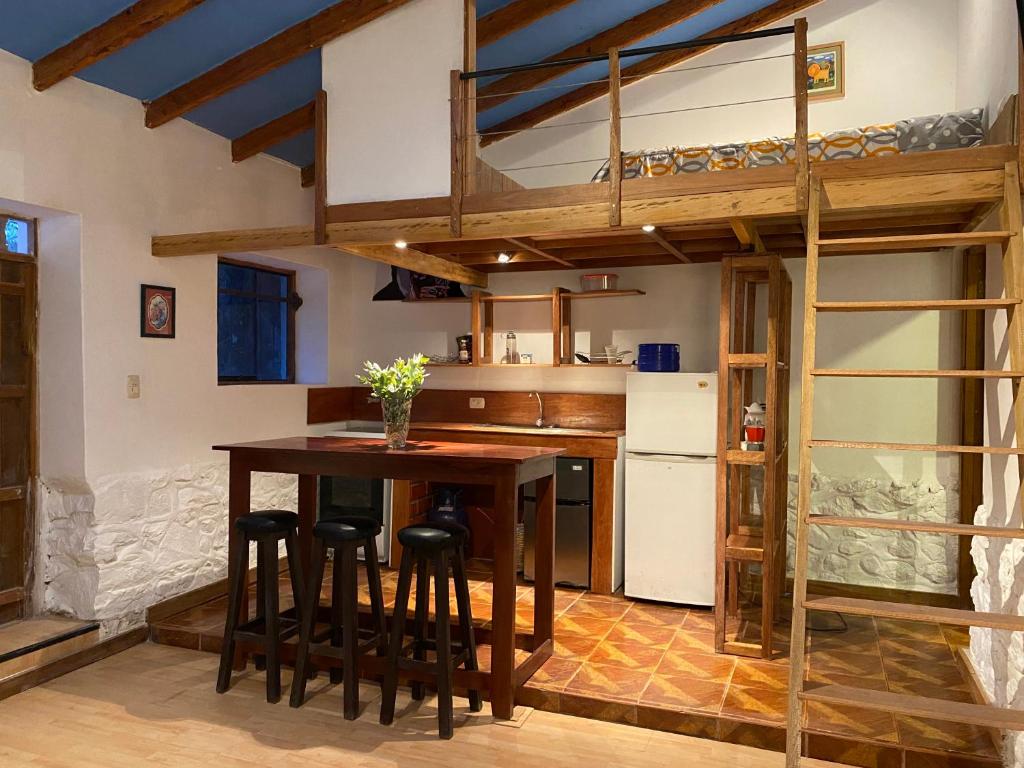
540, 409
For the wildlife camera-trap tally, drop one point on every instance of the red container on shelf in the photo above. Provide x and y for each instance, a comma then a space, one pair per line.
754, 433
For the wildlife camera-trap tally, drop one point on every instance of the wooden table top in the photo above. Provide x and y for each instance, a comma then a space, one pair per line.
415, 449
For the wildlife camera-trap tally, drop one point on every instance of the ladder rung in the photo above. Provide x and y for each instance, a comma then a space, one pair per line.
748, 360
744, 457
926, 447
917, 526
917, 706
883, 373
909, 242
906, 612
914, 306
748, 548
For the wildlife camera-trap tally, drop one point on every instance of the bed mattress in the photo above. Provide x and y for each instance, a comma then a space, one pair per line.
950, 130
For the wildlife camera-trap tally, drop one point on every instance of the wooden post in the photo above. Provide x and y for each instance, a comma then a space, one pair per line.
614, 139
722, 484
320, 169
469, 148
1010, 216
568, 351
800, 82
477, 350
556, 326
458, 103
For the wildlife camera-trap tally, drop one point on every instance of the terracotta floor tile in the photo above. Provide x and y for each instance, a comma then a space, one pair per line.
597, 609
575, 647
653, 636
913, 630
851, 721
638, 656
693, 641
936, 734
555, 674
935, 674
764, 675
755, 704
699, 620
608, 683
956, 636
845, 663
677, 692
585, 626
853, 681
905, 650
702, 666
656, 614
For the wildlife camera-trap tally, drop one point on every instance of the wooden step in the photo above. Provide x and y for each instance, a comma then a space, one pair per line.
905, 612
889, 373
926, 447
734, 456
915, 305
746, 547
917, 526
748, 360
30, 643
916, 706
904, 243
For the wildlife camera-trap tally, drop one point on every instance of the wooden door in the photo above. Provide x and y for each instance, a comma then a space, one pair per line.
17, 410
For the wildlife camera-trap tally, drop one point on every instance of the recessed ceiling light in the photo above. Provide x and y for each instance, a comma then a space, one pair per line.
648, 228
504, 258
401, 245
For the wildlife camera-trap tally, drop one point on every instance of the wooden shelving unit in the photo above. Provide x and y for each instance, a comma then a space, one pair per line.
746, 538
560, 302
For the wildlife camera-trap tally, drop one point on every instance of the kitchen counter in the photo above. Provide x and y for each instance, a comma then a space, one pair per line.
546, 431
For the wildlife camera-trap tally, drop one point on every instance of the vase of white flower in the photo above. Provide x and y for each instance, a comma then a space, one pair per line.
395, 386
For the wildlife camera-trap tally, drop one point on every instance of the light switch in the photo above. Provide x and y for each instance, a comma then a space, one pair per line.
476, 402
134, 387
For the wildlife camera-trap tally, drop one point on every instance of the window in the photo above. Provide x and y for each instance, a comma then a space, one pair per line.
19, 235
255, 323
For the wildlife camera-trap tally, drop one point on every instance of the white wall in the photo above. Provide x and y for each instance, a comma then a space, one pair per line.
901, 58
388, 115
987, 71
103, 184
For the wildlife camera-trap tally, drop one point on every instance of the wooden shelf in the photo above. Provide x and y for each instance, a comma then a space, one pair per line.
904, 612
896, 243
914, 306
925, 447
736, 456
524, 297
919, 526
440, 300
748, 360
746, 547
883, 373
603, 294
916, 706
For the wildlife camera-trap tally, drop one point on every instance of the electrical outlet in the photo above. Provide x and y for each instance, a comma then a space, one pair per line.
134, 387
476, 402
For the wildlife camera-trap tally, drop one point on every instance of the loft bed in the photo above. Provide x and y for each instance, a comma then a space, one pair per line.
641, 218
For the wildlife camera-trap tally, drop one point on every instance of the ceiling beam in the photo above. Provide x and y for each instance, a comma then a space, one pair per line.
514, 16
577, 97
117, 32
746, 232
232, 241
656, 236
274, 132
283, 47
526, 245
638, 27
417, 261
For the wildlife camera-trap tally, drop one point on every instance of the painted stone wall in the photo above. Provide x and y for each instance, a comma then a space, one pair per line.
131, 540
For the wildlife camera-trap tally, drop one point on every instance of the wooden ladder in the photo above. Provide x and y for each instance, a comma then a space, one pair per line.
740, 541
1013, 271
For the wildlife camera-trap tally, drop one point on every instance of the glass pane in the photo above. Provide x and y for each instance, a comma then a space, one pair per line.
271, 284
236, 337
13, 354
272, 341
17, 236
12, 544
236, 278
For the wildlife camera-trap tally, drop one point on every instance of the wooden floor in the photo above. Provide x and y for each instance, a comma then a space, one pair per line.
155, 705
27, 643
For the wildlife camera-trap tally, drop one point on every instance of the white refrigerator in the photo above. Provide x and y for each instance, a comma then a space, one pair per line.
671, 444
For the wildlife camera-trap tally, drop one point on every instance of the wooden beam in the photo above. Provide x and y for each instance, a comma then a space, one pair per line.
283, 47
577, 97
614, 139
514, 16
746, 232
308, 175
526, 245
638, 27
274, 132
803, 168
417, 261
972, 414
232, 241
117, 32
320, 169
657, 237
457, 101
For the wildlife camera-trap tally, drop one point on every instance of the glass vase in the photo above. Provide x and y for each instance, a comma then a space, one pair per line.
396, 421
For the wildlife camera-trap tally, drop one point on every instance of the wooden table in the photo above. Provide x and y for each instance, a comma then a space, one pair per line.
503, 467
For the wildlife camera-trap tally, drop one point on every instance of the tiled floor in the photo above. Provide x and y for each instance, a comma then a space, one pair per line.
655, 666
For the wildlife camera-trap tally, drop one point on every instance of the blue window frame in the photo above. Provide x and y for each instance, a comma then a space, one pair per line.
255, 324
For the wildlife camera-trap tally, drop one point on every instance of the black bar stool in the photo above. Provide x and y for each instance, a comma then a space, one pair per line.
442, 544
269, 628
344, 535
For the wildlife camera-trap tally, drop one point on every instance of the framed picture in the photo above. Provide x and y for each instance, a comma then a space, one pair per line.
157, 312
826, 71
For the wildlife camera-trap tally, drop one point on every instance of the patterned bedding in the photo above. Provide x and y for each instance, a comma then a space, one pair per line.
951, 130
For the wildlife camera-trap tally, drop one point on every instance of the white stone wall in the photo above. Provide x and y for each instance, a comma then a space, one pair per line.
132, 540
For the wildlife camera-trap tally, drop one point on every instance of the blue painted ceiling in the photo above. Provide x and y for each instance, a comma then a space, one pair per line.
217, 30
